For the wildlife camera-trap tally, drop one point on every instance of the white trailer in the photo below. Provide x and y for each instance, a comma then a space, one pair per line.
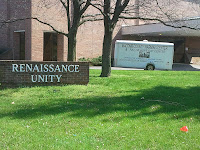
144, 54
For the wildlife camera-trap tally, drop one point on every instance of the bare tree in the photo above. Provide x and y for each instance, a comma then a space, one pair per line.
74, 11
111, 12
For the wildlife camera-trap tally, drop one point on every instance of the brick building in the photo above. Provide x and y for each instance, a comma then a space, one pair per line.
31, 40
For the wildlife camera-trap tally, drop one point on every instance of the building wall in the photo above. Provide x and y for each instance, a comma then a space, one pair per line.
192, 45
91, 34
89, 37
168, 10
3, 29
54, 15
3, 16
9, 39
10, 10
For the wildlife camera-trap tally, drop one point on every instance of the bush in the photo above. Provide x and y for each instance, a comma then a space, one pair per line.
83, 59
93, 61
96, 61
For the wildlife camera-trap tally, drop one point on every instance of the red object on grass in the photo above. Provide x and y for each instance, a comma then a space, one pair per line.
184, 129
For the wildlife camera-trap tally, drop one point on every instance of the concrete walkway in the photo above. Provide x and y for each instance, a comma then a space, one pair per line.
176, 67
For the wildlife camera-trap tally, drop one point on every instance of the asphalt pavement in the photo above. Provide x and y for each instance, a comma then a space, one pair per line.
176, 67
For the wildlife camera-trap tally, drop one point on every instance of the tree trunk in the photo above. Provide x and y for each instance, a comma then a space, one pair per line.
106, 56
72, 46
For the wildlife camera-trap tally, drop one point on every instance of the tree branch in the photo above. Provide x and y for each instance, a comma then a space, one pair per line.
163, 11
95, 15
119, 9
91, 20
85, 7
45, 23
94, 5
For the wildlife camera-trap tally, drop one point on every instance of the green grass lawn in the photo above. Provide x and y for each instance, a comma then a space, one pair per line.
129, 110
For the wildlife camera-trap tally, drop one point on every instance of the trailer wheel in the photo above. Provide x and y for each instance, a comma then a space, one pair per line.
150, 67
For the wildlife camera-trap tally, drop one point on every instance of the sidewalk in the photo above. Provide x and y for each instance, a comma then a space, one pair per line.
176, 67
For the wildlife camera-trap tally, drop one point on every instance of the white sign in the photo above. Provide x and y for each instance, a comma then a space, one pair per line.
44, 68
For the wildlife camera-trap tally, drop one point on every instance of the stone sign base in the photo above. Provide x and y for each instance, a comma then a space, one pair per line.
45, 73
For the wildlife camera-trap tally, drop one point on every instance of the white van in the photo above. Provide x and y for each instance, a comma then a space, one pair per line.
144, 54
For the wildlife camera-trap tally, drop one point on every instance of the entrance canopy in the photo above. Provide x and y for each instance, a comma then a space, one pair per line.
159, 29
